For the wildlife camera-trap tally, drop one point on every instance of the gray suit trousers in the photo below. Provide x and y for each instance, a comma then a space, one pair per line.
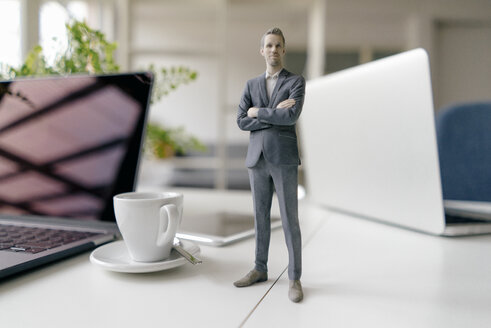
265, 178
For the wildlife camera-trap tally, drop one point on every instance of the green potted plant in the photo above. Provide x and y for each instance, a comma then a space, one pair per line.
89, 52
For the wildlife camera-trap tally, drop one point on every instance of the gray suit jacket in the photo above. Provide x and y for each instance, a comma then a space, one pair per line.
273, 131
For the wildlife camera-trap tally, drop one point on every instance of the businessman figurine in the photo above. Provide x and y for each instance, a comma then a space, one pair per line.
269, 108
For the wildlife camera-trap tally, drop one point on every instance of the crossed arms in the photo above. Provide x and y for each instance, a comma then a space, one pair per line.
250, 118
253, 111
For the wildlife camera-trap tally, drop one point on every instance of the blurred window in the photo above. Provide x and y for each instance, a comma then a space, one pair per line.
335, 60
52, 19
378, 54
10, 32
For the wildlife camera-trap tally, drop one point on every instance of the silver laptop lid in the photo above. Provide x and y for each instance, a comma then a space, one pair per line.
369, 142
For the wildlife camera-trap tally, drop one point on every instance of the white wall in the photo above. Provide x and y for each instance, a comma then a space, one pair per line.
464, 70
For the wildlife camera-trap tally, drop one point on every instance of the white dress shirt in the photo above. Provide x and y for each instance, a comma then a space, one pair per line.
271, 82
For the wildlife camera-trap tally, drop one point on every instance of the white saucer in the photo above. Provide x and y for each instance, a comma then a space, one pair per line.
115, 257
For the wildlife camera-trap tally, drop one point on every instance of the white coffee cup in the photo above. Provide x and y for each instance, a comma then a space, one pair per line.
148, 222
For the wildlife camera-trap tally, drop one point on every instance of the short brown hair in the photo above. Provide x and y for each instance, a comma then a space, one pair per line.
275, 31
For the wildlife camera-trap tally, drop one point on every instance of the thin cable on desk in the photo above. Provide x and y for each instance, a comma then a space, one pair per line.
281, 274
255, 307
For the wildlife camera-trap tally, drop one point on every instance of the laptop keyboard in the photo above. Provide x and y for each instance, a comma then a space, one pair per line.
454, 219
34, 240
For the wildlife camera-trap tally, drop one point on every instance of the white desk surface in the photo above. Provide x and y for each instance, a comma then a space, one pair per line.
355, 273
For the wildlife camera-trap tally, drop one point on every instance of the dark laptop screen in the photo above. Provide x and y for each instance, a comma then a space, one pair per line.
68, 144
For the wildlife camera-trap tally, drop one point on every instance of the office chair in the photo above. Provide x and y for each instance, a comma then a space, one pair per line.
464, 146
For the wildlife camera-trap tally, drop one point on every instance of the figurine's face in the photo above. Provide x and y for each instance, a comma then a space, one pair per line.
273, 50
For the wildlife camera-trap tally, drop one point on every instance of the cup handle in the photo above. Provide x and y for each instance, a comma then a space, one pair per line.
169, 216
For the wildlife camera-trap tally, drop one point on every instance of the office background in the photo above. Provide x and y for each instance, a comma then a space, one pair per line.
220, 40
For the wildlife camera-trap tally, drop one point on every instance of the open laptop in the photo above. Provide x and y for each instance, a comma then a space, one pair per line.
370, 146
67, 145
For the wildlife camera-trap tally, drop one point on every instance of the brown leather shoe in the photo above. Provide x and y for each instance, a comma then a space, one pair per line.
295, 293
251, 278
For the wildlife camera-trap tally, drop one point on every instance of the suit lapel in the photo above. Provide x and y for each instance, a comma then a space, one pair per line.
277, 87
262, 90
